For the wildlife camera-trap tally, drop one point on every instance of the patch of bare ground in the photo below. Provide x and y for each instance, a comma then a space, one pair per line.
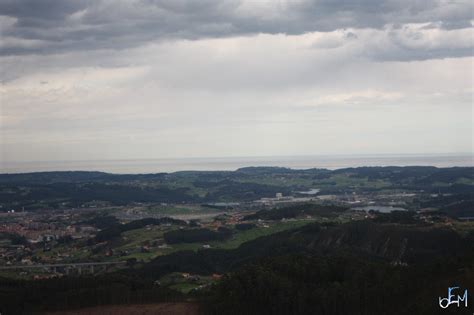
137, 309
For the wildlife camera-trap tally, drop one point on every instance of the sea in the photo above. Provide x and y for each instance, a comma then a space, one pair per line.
142, 166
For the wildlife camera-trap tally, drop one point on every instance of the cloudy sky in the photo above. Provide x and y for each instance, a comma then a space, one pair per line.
116, 79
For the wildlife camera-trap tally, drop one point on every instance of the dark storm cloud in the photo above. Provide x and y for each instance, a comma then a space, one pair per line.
55, 26
28, 10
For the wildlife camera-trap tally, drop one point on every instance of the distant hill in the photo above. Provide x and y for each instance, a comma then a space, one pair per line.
73, 189
391, 243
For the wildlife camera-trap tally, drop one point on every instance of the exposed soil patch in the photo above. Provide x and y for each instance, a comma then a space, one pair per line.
138, 309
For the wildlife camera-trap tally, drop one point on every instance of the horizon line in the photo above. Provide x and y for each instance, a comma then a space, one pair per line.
444, 154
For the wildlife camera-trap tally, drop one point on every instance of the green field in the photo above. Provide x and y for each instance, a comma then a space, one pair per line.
134, 239
249, 235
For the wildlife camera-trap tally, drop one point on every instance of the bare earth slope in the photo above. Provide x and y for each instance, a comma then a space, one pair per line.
139, 309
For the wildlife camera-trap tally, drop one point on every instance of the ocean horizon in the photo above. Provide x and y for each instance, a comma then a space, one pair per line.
332, 162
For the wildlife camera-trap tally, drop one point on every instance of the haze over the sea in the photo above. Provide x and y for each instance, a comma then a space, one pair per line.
133, 166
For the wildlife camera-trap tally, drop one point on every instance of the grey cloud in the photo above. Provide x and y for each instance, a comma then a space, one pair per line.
60, 26
399, 53
29, 10
414, 44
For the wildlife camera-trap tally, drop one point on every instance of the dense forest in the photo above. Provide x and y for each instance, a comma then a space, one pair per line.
297, 284
114, 229
197, 235
297, 211
27, 297
391, 243
360, 267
